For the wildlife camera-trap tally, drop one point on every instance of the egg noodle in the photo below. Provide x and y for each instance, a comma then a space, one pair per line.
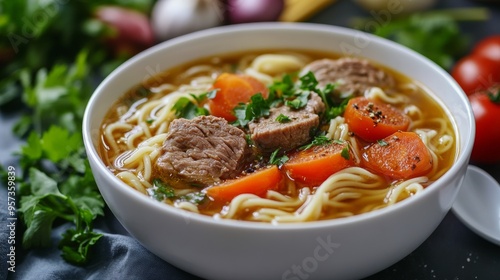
132, 143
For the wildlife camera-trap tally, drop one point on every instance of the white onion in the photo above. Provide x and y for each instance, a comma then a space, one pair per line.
172, 18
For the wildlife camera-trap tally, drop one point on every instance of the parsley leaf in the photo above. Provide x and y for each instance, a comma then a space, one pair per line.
317, 141
52, 140
382, 143
256, 108
55, 97
189, 109
335, 111
161, 191
300, 100
76, 243
345, 153
283, 88
46, 203
283, 119
185, 108
143, 92
276, 159
308, 82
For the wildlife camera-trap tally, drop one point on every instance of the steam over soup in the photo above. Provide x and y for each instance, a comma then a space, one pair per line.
278, 137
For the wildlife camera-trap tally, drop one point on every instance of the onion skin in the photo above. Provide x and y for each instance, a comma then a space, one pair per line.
244, 11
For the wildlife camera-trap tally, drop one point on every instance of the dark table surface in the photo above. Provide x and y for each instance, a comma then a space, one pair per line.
453, 251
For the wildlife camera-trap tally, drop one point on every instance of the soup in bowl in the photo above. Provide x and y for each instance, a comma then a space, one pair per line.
279, 150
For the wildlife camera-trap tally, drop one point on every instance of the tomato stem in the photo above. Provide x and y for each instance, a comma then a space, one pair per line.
494, 97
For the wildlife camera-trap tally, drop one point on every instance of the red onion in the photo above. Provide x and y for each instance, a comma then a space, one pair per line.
242, 11
130, 30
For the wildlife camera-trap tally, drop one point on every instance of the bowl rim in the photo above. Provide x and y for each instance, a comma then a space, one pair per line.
461, 159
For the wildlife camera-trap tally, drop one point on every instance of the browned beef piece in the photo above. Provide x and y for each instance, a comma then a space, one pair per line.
269, 134
352, 75
202, 151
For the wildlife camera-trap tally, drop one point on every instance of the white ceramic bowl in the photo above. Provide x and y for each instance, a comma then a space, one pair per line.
345, 248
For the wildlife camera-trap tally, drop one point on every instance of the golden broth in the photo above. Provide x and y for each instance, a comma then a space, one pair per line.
121, 140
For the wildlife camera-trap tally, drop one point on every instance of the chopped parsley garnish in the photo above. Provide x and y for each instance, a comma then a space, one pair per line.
161, 191
292, 94
283, 119
143, 92
284, 88
334, 105
382, 143
308, 82
276, 159
299, 101
335, 111
194, 198
317, 141
209, 94
248, 138
256, 108
345, 153
186, 108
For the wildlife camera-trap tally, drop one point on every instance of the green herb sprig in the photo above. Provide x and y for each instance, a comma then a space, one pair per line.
317, 141
161, 191
277, 159
435, 34
191, 108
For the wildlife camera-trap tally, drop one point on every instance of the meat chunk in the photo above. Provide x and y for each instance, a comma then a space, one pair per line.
352, 75
269, 134
202, 151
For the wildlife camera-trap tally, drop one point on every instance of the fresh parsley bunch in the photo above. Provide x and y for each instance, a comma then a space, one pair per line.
57, 181
434, 34
51, 62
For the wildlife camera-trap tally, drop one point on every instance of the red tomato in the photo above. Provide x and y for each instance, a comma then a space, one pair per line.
488, 48
487, 114
474, 73
130, 31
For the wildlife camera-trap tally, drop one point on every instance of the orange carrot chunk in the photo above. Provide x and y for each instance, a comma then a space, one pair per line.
314, 165
402, 155
233, 89
257, 183
373, 120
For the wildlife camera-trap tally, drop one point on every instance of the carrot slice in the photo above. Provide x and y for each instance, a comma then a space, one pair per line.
257, 183
233, 90
314, 165
372, 120
402, 155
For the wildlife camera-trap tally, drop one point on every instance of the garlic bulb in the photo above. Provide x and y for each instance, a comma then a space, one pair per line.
172, 18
